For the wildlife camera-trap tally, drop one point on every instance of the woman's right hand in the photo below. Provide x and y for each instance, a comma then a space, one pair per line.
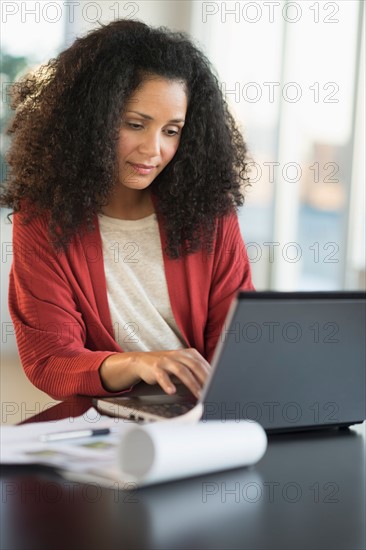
121, 370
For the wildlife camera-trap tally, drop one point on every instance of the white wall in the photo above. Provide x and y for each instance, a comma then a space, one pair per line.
174, 14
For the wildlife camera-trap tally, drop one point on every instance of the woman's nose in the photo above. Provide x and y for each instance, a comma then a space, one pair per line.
150, 144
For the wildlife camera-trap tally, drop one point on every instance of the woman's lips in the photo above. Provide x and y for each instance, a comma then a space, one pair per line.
142, 168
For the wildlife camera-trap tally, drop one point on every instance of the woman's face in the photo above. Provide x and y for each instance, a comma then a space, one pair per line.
150, 133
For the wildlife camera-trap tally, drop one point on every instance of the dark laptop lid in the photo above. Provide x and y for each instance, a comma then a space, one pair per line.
291, 360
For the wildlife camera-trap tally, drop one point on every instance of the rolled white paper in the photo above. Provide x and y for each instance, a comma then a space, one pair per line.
162, 451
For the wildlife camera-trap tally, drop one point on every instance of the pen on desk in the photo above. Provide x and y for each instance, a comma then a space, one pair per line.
74, 434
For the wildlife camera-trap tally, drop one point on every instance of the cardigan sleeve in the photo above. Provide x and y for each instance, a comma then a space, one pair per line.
231, 273
50, 330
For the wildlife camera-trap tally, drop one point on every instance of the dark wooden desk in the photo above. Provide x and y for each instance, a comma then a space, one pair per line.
308, 492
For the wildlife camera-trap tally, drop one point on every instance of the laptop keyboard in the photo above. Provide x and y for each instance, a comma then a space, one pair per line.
167, 410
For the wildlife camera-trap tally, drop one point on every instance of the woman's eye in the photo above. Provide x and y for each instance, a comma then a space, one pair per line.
172, 132
134, 126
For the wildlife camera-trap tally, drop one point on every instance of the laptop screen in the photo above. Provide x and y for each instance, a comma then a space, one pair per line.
291, 360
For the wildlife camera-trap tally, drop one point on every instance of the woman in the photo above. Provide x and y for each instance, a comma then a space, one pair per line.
126, 169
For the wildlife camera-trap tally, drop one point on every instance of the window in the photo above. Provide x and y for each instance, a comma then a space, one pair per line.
292, 72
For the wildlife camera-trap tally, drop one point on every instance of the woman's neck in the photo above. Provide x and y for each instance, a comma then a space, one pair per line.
132, 206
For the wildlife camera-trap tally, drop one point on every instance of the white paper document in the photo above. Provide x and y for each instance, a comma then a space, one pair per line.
133, 454
164, 450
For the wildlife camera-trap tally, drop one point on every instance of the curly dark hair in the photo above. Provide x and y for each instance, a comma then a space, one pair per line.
62, 156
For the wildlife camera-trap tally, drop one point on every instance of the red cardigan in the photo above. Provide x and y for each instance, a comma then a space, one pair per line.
59, 307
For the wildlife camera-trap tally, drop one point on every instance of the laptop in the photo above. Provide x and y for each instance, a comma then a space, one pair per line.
288, 360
